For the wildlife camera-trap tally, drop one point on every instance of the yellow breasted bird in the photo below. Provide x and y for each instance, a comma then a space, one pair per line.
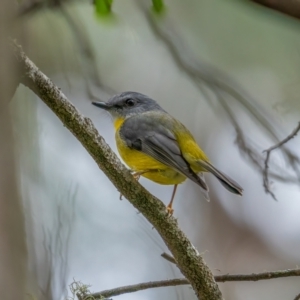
157, 146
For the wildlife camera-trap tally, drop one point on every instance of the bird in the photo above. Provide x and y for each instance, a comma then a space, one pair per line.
157, 146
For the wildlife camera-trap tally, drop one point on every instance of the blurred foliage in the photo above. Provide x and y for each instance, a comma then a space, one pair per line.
103, 7
158, 5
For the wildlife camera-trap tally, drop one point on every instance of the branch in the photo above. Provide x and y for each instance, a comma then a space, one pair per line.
139, 287
174, 282
248, 277
87, 59
168, 257
268, 151
297, 297
288, 7
187, 257
31, 7
258, 276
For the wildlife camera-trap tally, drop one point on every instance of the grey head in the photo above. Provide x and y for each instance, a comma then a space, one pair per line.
127, 104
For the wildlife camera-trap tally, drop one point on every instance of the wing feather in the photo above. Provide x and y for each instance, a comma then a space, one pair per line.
144, 134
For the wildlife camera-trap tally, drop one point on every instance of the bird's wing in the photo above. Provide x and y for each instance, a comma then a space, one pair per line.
153, 136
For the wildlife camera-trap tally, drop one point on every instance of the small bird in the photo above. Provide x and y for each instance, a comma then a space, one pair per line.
157, 146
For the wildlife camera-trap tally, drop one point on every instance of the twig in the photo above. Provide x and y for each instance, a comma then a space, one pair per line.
30, 7
268, 151
297, 297
168, 257
87, 61
287, 7
247, 277
81, 291
139, 287
188, 259
258, 276
174, 282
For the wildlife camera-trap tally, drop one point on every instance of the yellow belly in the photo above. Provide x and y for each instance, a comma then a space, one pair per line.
139, 162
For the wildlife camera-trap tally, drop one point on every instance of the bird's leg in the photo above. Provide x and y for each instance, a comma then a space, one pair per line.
170, 209
136, 176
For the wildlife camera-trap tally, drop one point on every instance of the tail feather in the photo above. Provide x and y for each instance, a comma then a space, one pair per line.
225, 180
205, 191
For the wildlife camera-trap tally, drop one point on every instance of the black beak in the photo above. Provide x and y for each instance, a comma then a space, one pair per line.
102, 105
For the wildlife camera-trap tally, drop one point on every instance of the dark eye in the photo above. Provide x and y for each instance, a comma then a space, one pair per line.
130, 102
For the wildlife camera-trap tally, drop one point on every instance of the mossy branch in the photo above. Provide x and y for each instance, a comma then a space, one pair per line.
187, 257
182, 281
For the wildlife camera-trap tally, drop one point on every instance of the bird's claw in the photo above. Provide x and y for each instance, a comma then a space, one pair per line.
170, 210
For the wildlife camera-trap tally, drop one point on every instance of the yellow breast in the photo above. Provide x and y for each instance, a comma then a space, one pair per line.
118, 123
139, 162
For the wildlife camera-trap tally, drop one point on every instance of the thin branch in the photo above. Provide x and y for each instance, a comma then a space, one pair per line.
297, 297
30, 7
285, 140
182, 281
87, 60
187, 257
139, 287
81, 291
168, 257
287, 7
258, 276
268, 151
247, 277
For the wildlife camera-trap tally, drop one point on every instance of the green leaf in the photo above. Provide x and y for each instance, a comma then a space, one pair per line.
103, 7
158, 5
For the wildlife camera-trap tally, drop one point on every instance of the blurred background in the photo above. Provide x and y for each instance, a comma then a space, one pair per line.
229, 70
